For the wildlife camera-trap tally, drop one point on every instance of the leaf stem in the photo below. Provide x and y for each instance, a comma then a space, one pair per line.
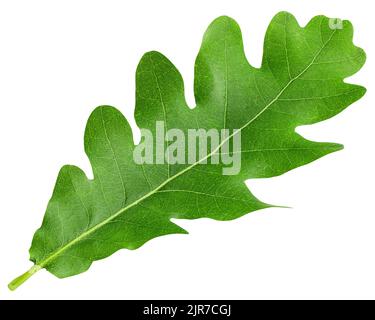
24, 277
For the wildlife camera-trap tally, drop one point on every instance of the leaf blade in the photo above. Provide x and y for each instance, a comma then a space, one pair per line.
300, 82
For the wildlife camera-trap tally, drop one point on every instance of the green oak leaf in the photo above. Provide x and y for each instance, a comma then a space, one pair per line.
300, 82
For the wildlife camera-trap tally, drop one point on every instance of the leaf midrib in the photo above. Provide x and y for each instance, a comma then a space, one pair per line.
58, 252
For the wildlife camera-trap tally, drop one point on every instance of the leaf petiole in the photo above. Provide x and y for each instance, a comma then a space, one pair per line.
24, 277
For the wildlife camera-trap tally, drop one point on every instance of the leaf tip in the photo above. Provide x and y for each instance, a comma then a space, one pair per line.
333, 147
224, 21
283, 16
152, 55
339, 147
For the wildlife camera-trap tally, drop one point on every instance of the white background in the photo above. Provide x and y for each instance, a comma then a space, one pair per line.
60, 59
